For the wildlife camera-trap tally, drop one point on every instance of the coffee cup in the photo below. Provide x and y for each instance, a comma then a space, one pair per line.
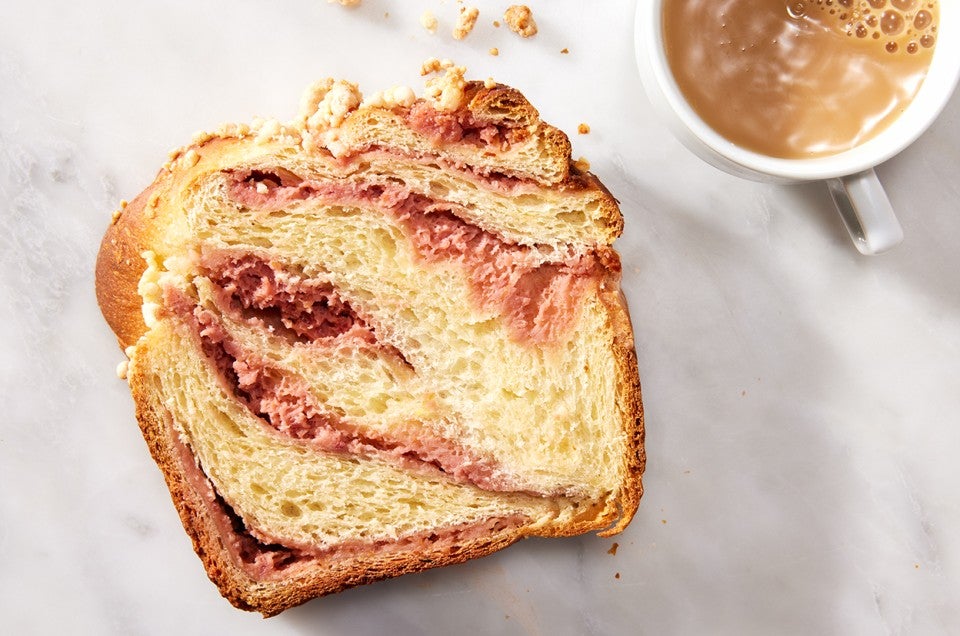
848, 166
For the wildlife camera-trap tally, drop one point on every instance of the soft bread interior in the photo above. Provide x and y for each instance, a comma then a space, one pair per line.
543, 412
286, 493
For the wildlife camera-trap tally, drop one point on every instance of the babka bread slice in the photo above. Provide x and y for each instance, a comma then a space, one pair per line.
384, 337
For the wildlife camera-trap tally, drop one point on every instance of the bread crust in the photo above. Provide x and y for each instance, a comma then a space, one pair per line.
119, 268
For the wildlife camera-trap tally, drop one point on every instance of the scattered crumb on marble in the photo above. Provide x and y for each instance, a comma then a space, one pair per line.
663, 521
465, 22
519, 18
345, 3
496, 24
494, 51
583, 129
743, 393
617, 575
613, 548
429, 21
565, 50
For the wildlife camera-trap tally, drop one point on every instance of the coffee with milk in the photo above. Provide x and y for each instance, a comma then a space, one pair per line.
799, 78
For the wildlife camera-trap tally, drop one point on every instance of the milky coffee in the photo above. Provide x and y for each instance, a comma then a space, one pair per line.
799, 78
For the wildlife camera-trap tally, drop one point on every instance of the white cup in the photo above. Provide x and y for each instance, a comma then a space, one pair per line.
857, 192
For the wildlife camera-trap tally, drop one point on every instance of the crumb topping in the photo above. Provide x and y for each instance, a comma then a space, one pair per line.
324, 107
432, 65
327, 103
445, 91
465, 22
266, 130
519, 18
391, 99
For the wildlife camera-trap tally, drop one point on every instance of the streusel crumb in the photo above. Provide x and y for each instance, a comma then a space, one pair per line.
520, 20
429, 21
465, 22
447, 90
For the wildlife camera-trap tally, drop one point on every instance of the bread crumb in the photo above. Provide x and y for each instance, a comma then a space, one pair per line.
465, 22
496, 24
582, 164
122, 369
494, 51
520, 20
565, 50
489, 83
617, 575
583, 129
429, 21
346, 3
613, 548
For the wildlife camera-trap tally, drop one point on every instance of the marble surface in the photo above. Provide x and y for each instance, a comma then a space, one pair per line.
802, 400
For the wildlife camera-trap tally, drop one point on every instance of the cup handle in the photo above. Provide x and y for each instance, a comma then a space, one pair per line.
866, 211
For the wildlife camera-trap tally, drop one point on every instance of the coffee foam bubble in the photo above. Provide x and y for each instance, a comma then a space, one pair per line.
899, 26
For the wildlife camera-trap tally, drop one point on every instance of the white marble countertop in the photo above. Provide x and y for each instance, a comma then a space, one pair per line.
802, 400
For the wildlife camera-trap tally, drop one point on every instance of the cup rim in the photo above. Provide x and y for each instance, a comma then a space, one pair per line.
935, 92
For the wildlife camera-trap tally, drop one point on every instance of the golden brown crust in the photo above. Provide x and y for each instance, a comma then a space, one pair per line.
119, 268
629, 396
499, 104
120, 265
